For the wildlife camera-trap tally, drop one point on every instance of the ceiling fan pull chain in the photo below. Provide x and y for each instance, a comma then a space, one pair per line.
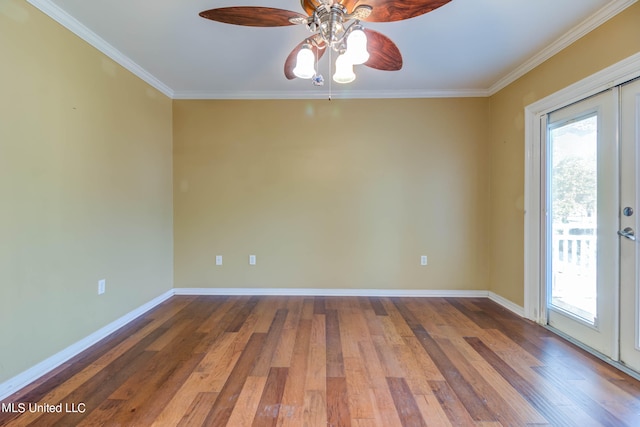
318, 79
330, 71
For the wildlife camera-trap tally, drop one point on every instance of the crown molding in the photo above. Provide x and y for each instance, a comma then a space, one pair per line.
69, 22
588, 25
325, 94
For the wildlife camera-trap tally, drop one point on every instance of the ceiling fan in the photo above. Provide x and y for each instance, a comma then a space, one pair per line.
334, 24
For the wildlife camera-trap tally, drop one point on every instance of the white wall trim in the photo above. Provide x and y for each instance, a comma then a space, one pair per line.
25, 378
417, 293
72, 24
509, 305
333, 292
588, 25
346, 94
607, 78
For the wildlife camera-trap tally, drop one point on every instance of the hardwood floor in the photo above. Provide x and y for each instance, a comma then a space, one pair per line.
329, 361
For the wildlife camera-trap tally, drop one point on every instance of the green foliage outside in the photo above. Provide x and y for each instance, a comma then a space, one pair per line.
573, 189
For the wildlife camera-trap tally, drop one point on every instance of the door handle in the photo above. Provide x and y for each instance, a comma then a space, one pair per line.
628, 233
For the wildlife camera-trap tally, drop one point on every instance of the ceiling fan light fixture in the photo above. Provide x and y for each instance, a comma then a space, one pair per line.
357, 46
335, 26
344, 70
304, 63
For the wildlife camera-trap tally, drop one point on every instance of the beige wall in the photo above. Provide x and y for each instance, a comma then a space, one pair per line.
332, 194
85, 188
86, 176
617, 39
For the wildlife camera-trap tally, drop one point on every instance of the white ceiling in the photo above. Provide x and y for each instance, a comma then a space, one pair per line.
465, 48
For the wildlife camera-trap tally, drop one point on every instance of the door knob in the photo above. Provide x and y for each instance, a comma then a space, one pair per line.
628, 233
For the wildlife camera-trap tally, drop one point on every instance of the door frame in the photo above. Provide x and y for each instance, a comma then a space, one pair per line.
535, 124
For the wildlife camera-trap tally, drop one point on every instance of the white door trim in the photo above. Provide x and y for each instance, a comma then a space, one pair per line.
607, 78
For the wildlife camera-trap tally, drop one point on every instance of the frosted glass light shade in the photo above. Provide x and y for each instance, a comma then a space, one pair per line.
357, 47
344, 70
304, 64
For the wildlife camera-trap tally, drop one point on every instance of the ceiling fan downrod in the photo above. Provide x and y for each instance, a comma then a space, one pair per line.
328, 20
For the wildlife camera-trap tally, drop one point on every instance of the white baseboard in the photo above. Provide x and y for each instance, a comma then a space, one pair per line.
21, 380
332, 292
419, 293
511, 306
25, 378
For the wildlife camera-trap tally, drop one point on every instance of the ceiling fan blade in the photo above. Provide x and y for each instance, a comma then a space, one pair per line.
351, 4
290, 63
393, 10
309, 5
252, 16
383, 53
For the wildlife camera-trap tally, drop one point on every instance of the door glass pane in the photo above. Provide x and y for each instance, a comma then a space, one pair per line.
573, 236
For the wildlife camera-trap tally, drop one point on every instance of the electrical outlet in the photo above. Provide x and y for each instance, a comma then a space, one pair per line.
423, 260
218, 259
252, 260
102, 286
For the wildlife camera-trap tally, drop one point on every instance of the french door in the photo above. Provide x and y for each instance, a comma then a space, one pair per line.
581, 221
591, 193
629, 224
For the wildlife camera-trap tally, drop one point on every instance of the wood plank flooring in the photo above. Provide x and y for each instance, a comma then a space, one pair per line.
329, 361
